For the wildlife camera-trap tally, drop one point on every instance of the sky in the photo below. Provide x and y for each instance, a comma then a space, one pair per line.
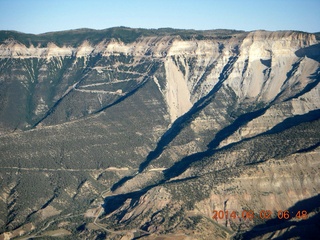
39, 16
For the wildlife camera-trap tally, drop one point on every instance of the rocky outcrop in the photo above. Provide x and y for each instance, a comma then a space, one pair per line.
150, 134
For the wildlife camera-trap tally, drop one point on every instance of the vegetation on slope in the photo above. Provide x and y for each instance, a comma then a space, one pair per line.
126, 35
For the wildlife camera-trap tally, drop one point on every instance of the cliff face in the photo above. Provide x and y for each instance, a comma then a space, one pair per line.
165, 127
260, 67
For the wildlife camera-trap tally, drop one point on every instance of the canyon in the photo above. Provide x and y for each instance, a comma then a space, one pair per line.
142, 134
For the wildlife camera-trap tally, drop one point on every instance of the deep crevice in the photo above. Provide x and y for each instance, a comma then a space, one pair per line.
233, 127
185, 119
181, 122
112, 203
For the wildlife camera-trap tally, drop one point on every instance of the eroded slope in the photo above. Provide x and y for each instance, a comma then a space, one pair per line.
103, 137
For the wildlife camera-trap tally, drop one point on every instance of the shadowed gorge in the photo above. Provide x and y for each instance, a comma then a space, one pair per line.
295, 229
143, 133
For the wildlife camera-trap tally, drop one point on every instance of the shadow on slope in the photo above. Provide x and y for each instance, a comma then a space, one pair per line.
114, 202
182, 121
315, 77
309, 149
232, 128
84, 72
181, 166
312, 52
295, 120
119, 100
185, 119
303, 229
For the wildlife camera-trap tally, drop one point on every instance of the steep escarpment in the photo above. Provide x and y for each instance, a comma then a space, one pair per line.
128, 133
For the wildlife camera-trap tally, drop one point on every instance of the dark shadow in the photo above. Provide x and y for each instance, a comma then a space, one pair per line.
181, 166
121, 182
51, 110
181, 122
230, 129
184, 163
315, 77
289, 75
121, 99
266, 62
101, 236
112, 203
286, 124
55, 195
312, 52
294, 68
294, 120
298, 229
206, 73
84, 73
309, 149
139, 236
185, 119
81, 228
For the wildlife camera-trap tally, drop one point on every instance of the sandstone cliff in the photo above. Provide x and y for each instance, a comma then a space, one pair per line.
128, 133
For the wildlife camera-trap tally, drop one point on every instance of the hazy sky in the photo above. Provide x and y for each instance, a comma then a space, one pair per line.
38, 16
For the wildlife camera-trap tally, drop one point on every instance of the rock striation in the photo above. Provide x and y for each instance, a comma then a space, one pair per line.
132, 133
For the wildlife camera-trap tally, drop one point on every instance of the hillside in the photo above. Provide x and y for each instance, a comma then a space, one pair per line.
142, 134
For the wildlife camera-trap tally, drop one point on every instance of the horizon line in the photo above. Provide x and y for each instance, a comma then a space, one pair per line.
161, 28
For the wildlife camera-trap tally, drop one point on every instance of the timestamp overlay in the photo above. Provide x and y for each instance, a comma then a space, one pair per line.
262, 214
